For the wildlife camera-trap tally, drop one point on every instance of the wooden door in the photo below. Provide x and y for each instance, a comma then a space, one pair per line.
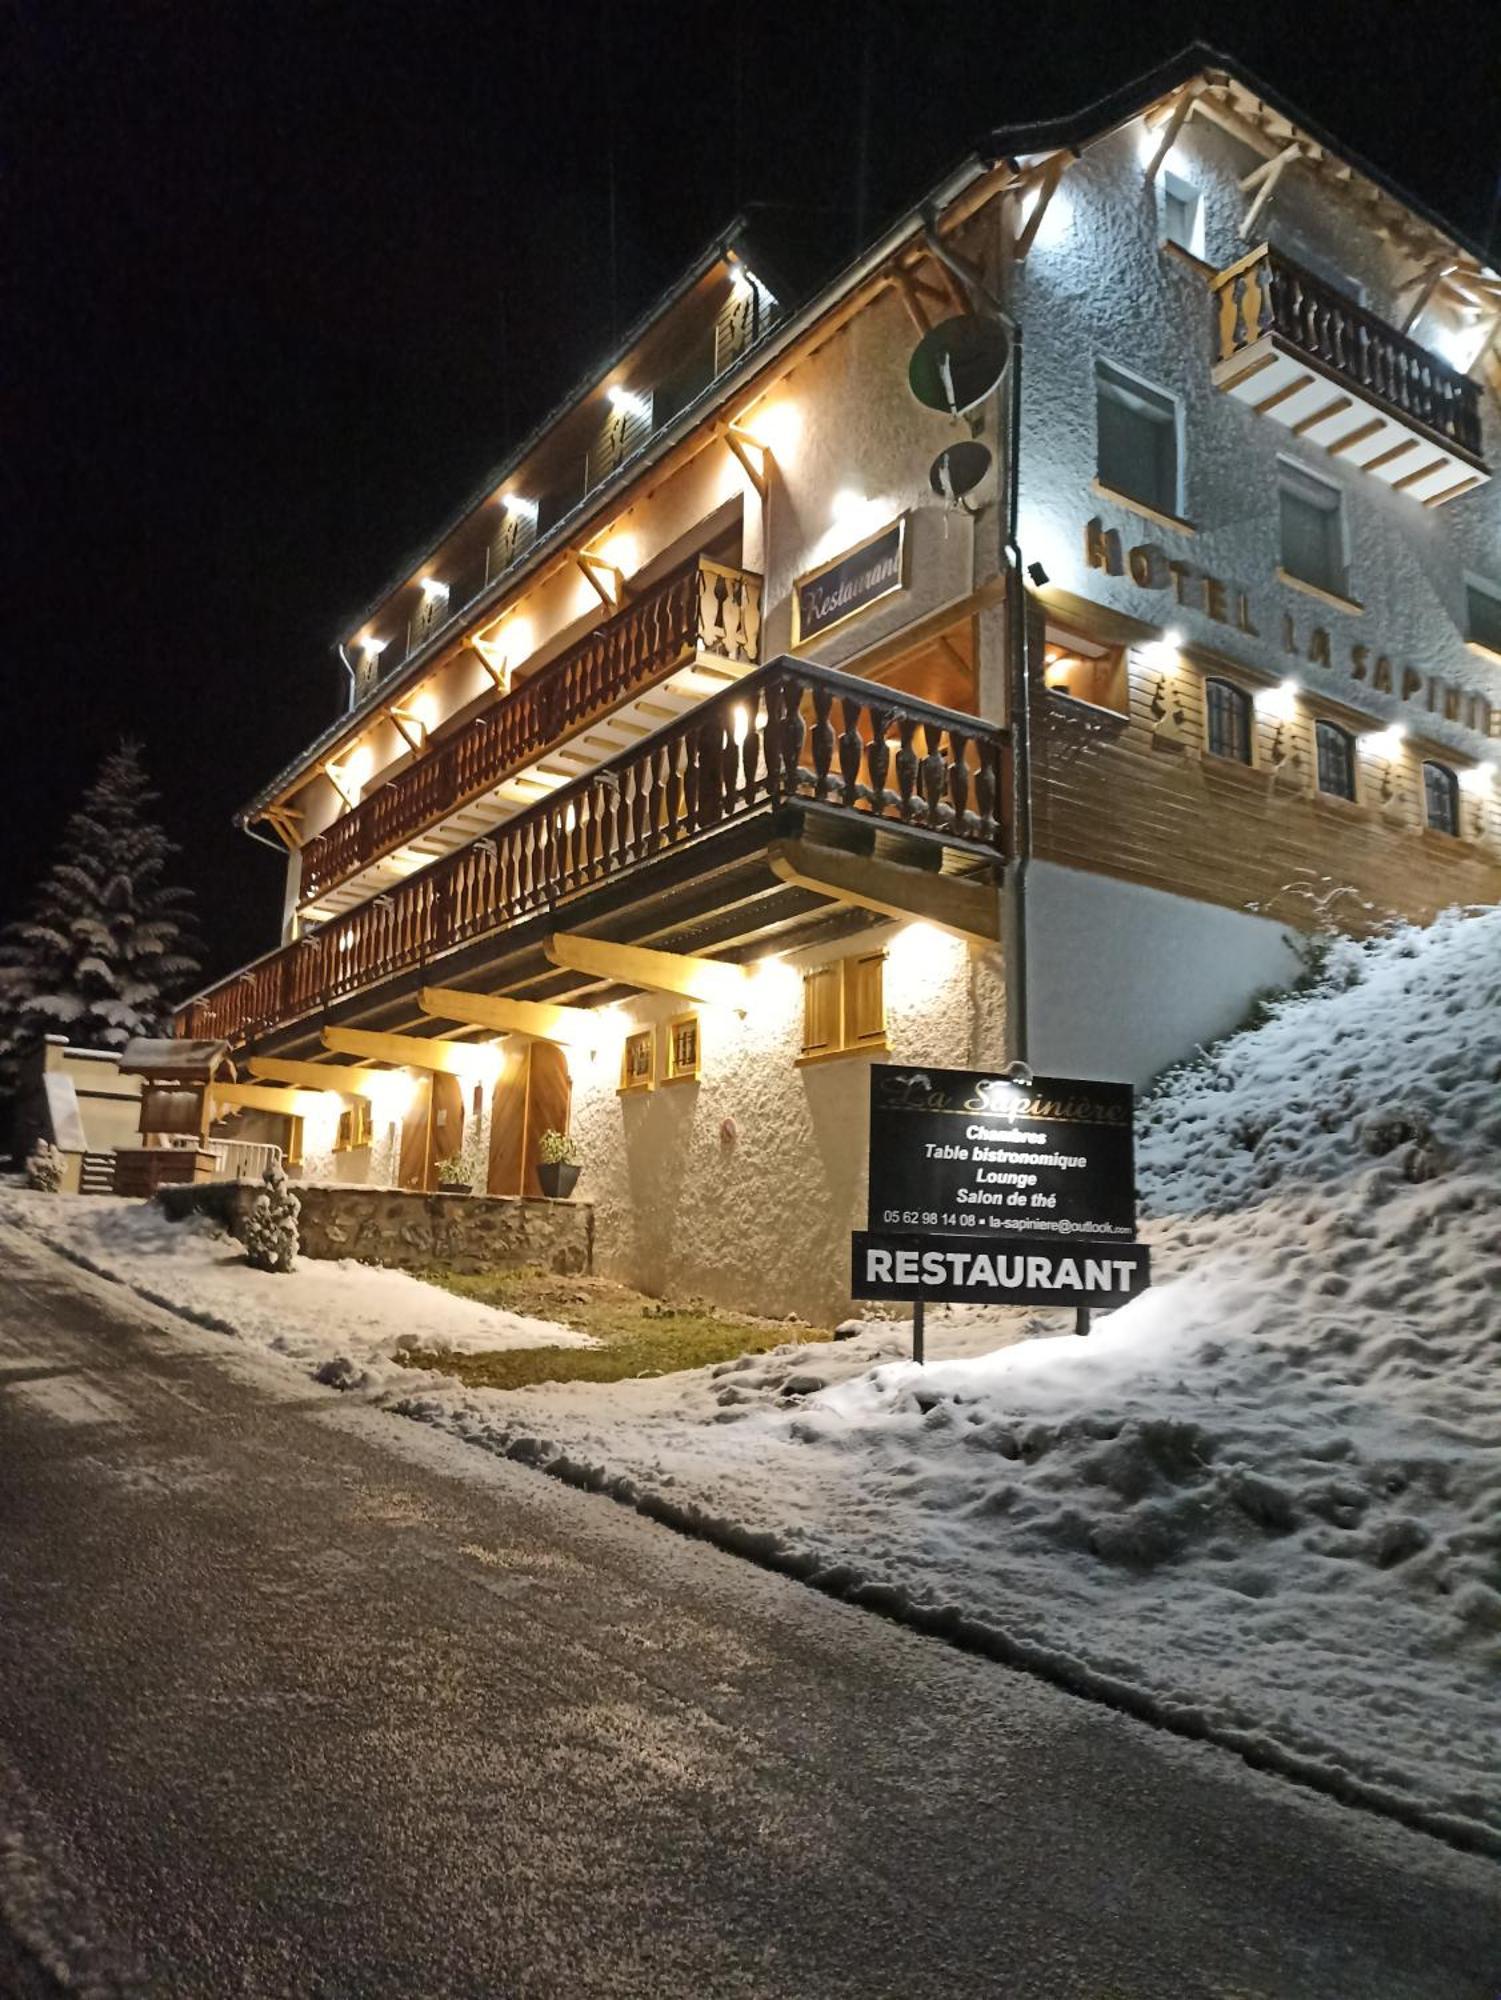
532, 1097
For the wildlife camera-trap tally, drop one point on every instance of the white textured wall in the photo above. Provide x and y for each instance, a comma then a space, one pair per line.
1098, 284
1125, 980
762, 1220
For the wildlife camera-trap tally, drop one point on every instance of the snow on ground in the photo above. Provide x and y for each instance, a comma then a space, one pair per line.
1268, 1491
320, 1313
1264, 1499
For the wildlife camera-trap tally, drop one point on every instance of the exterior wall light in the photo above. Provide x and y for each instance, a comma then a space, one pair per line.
372, 647
433, 586
517, 504
622, 399
1385, 743
1280, 702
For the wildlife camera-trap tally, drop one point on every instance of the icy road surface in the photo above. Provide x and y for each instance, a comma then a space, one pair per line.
297, 1698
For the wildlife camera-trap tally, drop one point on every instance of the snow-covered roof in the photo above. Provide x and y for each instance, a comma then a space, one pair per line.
167, 1060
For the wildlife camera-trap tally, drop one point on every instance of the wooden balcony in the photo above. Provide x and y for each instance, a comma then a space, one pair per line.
489, 769
863, 758
1299, 351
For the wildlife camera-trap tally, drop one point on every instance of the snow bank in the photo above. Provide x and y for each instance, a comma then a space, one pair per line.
342, 1320
1267, 1495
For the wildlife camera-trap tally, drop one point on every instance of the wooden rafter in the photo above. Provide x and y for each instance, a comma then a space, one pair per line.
709, 980
492, 657
347, 1080
410, 1051
409, 726
1264, 179
1177, 116
541, 1020
967, 909
254, 1097
284, 823
335, 776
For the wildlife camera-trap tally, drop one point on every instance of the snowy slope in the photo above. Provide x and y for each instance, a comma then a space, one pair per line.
1270, 1490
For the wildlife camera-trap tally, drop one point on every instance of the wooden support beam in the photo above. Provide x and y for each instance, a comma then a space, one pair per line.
709, 980
349, 1082
1042, 190
1269, 173
335, 776
1358, 436
492, 658
409, 1051
741, 443
409, 727
1183, 104
593, 568
255, 1097
542, 1021
967, 909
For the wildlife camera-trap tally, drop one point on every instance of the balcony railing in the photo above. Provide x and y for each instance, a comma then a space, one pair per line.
1267, 293
703, 607
787, 732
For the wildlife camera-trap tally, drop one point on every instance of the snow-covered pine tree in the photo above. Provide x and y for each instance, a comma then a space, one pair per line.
271, 1236
109, 945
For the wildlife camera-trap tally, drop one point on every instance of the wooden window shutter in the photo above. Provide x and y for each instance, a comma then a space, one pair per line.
822, 989
514, 537
625, 431
865, 1000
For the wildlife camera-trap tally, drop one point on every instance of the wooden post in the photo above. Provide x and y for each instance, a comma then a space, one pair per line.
919, 1312
1081, 1320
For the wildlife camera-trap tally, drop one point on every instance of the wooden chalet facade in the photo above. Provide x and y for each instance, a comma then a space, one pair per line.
715, 751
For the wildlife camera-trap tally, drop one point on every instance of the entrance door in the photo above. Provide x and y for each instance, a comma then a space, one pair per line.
532, 1097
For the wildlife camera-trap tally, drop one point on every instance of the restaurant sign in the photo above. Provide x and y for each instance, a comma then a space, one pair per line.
852, 582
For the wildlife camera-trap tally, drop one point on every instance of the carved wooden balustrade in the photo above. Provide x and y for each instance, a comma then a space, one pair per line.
1268, 293
703, 607
788, 732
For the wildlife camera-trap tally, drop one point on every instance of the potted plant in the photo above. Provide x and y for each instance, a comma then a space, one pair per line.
558, 1165
453, 1176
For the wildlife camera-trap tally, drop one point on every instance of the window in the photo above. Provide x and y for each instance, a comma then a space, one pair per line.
682, 1048
1336, 754
1227, 711
1441, 798
1483, 608
1085, 671
844, 1007
638, 1061
354, 1126
1180, 212
1138, 439
1313, 529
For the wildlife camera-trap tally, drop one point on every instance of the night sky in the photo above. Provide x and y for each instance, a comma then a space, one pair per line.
282, 281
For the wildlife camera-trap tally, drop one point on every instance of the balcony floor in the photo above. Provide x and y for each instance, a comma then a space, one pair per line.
718, 896
572, 757
1278, 380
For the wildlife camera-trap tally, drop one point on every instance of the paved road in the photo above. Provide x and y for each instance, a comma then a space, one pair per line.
296, 1698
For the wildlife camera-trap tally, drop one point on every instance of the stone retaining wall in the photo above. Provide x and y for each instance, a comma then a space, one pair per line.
411, 1231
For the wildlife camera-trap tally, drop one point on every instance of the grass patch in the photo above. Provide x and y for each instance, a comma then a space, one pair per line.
637, 1335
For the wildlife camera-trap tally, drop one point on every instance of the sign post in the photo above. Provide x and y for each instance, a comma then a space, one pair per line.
1011, 1190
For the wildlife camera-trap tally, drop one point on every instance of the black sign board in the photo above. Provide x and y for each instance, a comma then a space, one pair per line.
995, 1271
958, 1150
827, 596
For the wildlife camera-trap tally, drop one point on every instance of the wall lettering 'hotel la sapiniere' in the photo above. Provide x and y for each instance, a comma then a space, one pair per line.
1149, 567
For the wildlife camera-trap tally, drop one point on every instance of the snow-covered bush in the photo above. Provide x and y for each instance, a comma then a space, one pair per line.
271, 1230
44, 1168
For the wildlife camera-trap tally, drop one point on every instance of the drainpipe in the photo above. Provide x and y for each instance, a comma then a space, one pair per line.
344, 663
1018, 666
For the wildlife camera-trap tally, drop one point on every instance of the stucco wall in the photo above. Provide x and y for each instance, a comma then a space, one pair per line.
1126, 980
760, 1216
1098, 284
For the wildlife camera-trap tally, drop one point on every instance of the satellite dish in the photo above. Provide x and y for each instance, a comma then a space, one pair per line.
958, 470
957, 363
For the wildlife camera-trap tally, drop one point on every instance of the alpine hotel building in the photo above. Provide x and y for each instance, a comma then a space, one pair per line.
731, 740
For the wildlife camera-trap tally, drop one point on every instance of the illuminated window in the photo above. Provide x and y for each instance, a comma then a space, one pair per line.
1227, 721
1441, 798
1336, 753
1086, 671
1313, 529
354, 1127
682, 1048
638, 1061
844, 1007
1180, 209
1138, 439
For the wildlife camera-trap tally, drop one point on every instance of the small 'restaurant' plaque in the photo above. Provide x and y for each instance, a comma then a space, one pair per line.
852, 582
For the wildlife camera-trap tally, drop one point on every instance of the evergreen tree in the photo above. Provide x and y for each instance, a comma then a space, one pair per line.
108, 946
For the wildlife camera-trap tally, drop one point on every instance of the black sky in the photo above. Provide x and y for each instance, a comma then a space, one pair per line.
283, 280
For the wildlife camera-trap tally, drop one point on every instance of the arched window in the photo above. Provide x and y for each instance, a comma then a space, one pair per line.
1336, 748
1228, 720
1441, 798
